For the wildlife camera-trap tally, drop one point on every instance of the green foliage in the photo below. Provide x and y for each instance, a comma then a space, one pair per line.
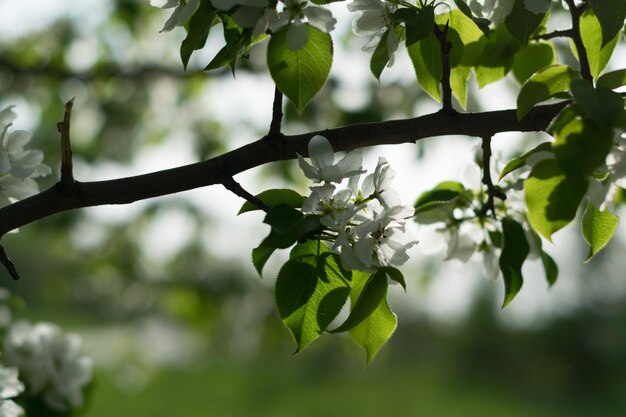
426, 58
611, 14
437, 204
311, 289
598, 51
522, 23
543, 85
534, 57
598, 228
515, 249
198, 30
520, 161
613, 79
300, 74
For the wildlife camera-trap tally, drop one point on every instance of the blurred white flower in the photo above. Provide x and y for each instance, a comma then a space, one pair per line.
10, 387
323, 167
18, 166
494, 10
50, 363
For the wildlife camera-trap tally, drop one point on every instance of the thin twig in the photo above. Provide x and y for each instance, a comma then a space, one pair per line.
446, 46
575, 12
67, 176
233, 186
277, 114
8, 264
492, 191
568, 33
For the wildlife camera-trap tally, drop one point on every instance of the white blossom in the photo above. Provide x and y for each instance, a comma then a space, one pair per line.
295, 14
50, 363
323, 167
10, 387
18, 166
374, 19
494, 10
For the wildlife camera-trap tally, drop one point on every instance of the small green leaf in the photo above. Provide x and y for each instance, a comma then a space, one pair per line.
481, 23
581, 146
552, 197
520, 161
437, 204
273, 198
373, 332
238, 40
598, 52
200, 25
601, 105
543, 85
550, 268
368, 301
300, 74
497, 57
611, 14
288, 226
521, 22
260, 255
418, 23
310, 292
534, 57
598, 228
394, 274
426, 58
515, 249
613, 79
380, 57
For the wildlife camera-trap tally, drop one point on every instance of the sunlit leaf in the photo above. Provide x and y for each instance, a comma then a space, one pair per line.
598, 228
543, 85
302, 73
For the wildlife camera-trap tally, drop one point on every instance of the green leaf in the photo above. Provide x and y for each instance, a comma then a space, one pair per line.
458, 82
426, 58
582, 146
310, 292
534, 57
260, 255
613, 79
497, 57
552, 197
238, 40
550, 268
611, 14
515, 249
598, 52
373, 332
543, 85
200, 25
601, 105
437, 204
481, 23
598, 228
394, 274
520, 161
300, 74
380, 57
369, 299
273, 198
418, 23
521, 22
288, 226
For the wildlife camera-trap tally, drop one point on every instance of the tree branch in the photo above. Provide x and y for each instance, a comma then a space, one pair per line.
446, 46
8, 264
67, 175
260, 152
492, 191
231, 185
277, 114
575, 12
568, 33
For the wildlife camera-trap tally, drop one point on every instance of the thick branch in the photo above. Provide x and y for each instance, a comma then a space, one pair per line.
213, 171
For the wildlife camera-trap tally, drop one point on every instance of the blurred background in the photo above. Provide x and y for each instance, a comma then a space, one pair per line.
164, 294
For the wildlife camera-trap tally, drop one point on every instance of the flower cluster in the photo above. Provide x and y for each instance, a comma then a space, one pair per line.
365, 219
18, 167
259, 15
10, 387
49, 362
467, 230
